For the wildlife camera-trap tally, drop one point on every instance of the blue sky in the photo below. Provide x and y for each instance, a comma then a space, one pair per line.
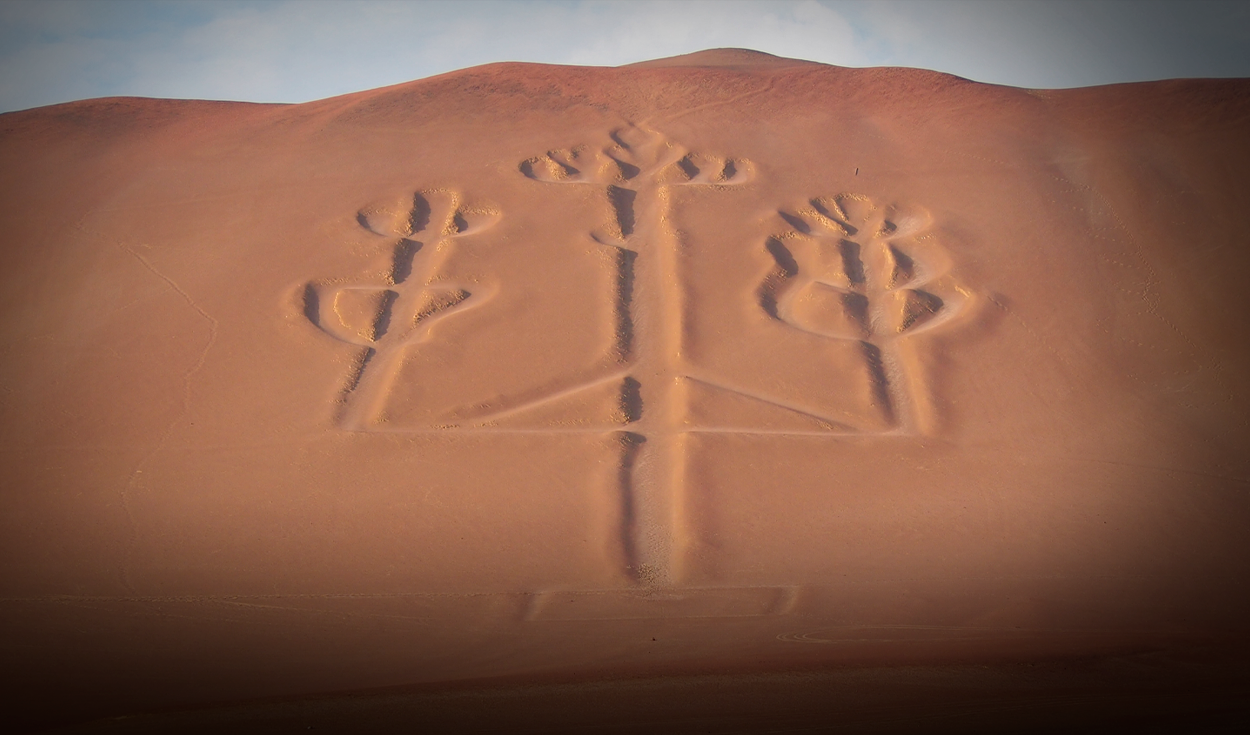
297, 50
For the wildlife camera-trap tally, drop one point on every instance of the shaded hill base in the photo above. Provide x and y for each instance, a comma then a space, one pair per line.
1164, 692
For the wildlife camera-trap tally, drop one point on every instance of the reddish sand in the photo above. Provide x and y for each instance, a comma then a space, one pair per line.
712, 366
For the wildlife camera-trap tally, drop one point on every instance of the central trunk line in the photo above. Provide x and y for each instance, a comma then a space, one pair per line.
655, 480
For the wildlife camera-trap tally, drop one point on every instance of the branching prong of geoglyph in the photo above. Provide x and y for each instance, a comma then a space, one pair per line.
388, 312
850, 269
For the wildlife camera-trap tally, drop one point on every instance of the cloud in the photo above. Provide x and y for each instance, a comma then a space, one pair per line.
297, 50
1060, 43
303, 49
806, 30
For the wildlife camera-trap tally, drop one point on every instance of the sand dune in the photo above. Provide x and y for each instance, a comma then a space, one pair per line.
723, 363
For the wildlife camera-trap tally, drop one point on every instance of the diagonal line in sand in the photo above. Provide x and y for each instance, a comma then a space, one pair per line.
838, 427
545, 399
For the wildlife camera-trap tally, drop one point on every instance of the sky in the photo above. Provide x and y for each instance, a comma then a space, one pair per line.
298, 50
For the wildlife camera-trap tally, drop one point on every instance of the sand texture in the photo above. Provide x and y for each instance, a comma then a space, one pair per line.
725, 363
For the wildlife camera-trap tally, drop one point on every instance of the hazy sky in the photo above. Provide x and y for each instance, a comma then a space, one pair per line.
297, 50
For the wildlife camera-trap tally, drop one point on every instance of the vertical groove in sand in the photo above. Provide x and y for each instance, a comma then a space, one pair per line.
661, 488
655, 485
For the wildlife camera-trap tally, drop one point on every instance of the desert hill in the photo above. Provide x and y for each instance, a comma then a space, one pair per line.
722, 364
